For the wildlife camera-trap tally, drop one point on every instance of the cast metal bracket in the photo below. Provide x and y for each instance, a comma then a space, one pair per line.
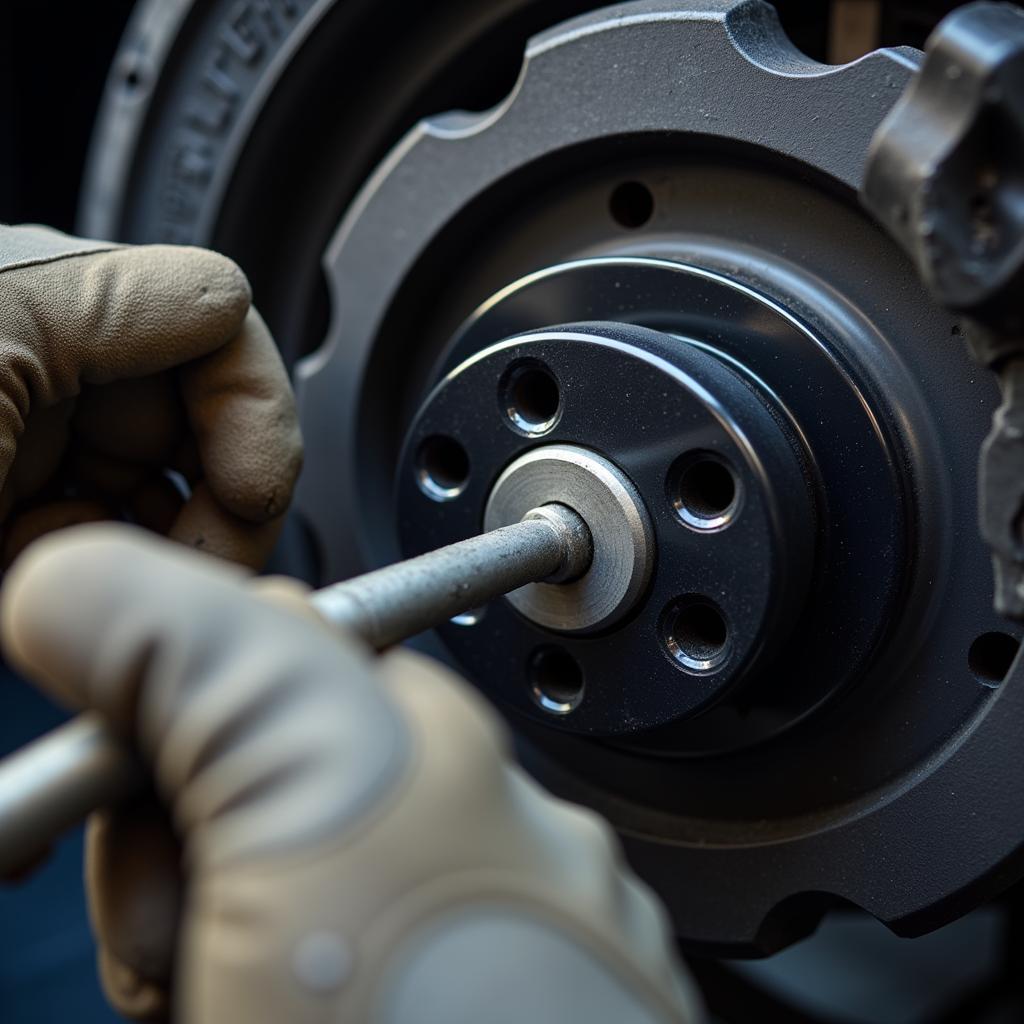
945, 176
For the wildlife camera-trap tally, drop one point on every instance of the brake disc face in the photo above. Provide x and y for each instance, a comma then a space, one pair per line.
645, 276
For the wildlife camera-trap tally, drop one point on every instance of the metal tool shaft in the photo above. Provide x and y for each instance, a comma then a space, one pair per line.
401, 600
53, 783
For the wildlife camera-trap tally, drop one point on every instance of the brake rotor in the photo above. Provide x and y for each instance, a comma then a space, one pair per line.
660, 226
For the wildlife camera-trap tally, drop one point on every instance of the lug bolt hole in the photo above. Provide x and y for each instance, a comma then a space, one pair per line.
556, 680
703, 490
695, 635
442, 468
990, 657
631, 204
530, 398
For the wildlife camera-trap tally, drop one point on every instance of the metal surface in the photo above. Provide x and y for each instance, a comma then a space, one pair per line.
399, 601
693, 133
780, 449
751, 155
52, 784
454, 172
944, 178
660, 409
943, 171
623, 542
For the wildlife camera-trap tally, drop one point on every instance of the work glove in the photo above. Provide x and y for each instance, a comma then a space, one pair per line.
137, 382
355, 842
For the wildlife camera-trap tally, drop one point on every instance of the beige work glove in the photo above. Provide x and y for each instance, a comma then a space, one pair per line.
356, 844
119, 364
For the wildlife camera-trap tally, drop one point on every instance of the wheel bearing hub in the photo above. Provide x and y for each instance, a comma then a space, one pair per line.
817, 761
697, 465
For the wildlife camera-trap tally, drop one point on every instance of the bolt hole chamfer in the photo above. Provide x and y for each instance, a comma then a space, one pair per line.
530, 398
556, 680
695, 634
442, 467
991, 656
704, 491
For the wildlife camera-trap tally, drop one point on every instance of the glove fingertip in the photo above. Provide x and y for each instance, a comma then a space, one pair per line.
222, 277
243, 411
207, 525
174, 303
257, 483
36, 572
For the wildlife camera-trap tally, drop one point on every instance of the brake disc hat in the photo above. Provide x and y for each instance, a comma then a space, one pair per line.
681, 169
684, 75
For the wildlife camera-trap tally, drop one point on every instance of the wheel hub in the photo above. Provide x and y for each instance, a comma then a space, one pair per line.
648, 265
701, 505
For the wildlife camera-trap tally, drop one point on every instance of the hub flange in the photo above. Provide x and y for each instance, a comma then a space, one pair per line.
659, 446
690, 133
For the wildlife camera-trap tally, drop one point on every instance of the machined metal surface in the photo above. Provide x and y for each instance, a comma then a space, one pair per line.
623, 542
693, 133
580, 89
53, 783
710, 521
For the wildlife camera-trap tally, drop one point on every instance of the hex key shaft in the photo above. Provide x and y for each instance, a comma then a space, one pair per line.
54, 782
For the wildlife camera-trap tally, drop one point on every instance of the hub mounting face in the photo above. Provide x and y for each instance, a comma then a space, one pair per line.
696, 465
650, 257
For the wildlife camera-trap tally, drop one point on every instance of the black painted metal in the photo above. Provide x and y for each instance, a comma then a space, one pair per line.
852, 459
643, 400
751, 156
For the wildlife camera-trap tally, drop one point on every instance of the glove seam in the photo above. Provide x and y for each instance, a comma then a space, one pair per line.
39, 261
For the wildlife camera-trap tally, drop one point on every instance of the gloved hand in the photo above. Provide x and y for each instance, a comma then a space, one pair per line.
357, 845
118, 364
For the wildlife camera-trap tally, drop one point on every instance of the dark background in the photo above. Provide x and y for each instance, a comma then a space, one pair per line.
54, 56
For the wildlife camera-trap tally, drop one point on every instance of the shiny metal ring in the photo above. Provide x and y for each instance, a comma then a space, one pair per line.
623, 541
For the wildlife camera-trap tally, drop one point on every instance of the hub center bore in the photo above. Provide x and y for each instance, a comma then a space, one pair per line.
623, 540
